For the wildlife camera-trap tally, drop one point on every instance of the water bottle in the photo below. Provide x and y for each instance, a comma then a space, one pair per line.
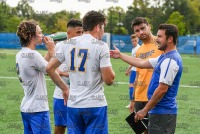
60, 36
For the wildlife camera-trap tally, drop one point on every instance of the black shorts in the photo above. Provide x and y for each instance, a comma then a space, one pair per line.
140, 105
162, 123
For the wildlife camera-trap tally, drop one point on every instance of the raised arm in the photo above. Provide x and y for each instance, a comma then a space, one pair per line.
137, 62
50, 47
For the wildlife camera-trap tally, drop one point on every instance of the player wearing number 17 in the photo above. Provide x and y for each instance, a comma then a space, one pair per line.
88, 62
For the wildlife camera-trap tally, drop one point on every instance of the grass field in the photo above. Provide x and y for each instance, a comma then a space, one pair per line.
117, 96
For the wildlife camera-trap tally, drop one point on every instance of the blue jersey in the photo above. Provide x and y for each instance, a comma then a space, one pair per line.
167, 70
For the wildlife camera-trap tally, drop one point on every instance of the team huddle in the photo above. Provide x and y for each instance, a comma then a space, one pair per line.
80, 65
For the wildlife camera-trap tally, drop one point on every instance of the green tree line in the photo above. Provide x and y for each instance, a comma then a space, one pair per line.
183, 13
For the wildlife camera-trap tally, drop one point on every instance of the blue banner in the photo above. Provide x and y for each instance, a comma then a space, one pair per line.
11, 41
185, 45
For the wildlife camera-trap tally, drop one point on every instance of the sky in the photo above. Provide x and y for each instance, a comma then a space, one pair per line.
82, 6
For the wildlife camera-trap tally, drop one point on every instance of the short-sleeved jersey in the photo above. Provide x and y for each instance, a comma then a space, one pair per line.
58, 94
133, 53
63, 68
30, 67
145, 52
168, 70
84, 56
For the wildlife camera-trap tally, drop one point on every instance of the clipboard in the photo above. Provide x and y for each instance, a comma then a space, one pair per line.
138, 127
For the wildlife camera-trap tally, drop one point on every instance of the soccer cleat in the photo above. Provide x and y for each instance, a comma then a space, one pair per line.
128, 106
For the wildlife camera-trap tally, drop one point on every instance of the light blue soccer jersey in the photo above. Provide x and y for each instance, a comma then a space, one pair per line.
167, 69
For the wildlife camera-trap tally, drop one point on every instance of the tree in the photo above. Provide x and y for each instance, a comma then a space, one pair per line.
57, 22
8, 19
24, 10
120, 30
61, 25
4, 10
115, 16
188, 8
139, 8
12, 24
49, 22
193, 17
178, 19
73, 15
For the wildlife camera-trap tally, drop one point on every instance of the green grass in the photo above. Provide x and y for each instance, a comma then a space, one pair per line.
117, 97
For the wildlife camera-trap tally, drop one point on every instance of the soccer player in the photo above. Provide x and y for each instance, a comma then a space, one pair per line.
131, 70
74, 28
30, 67
89, 66
163, 88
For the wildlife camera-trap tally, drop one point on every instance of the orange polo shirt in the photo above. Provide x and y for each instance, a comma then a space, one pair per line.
145, 52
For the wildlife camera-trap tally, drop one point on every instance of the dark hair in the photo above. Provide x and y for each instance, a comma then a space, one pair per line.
74, 23
92, 19
138, 21
170, 30
26, 30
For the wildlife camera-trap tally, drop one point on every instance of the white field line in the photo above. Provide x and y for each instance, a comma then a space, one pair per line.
188, 58
117, 82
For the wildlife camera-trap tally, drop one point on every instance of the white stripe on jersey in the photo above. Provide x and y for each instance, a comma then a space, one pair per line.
168, 71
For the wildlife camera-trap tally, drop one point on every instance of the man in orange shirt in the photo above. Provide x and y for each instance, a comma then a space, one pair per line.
148, 49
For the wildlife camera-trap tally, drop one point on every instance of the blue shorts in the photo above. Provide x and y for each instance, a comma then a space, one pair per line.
36, 123
87, 120
60, 112
132, 77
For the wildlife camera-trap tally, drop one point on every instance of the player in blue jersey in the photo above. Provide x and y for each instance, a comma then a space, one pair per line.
131, 70
163, 88
74, 28
88, 63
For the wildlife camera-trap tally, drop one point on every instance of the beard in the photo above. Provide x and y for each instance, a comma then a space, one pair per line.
162, 47
143, 37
